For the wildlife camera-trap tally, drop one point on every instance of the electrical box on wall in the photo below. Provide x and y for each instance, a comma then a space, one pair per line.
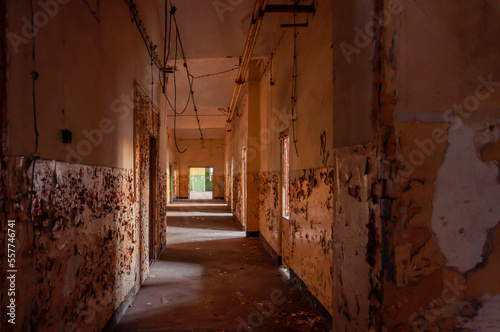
67, 136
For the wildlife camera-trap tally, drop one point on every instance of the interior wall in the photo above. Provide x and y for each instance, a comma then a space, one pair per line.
75, 91
207, 153
444, 231
80, 237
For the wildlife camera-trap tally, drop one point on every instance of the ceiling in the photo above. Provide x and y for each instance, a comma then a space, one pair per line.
213, 35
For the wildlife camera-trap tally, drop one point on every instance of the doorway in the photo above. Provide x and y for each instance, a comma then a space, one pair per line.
201, 182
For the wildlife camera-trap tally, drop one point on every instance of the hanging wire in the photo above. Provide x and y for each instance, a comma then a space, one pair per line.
162, 73
162, 68
294, 84
95, 12
175, 97
34, 77
217, 73
152, 87
144, 35
188, 74
271, 81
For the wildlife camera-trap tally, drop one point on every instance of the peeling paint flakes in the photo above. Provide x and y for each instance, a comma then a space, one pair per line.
465, 202
487, 318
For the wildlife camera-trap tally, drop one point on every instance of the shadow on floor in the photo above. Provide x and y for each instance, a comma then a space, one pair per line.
212, 278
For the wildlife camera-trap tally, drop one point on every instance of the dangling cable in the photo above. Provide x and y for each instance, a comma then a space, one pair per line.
152, 87
151, 48
271, 81
175, 97
189, 76
95, 12
294, 84
34, 76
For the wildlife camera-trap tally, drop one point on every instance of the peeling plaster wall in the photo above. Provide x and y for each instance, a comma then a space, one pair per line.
86, 247
441, 238
238, 199
465, 228
162, 202
445, 227
307, 237
147, 128
79, 257
269, 208
356, 238
359, 191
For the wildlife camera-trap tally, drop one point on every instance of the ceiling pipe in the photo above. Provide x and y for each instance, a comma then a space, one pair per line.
253, 33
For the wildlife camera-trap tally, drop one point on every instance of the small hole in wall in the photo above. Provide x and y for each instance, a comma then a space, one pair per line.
67, 136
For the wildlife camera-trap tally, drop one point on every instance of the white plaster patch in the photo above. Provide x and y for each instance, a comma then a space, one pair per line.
465, 202
488, 317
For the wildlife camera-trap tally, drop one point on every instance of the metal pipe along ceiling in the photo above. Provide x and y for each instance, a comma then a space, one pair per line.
253, 33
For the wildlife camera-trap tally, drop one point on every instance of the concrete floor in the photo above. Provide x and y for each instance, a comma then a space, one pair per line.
200, 195
212, 278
